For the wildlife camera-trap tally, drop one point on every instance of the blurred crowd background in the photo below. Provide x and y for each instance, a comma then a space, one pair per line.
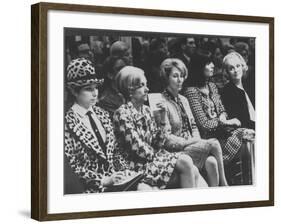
147, 51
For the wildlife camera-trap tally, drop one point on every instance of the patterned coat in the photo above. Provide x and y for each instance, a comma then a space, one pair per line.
85, 155
141, 143
210, 125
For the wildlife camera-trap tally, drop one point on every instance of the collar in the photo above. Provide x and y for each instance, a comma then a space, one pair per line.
81, 110
135, 113
170, 96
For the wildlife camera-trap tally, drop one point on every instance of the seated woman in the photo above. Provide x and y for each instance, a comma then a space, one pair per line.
89, 138
110, 98
209, 112
234, 97
141, 141
184, 135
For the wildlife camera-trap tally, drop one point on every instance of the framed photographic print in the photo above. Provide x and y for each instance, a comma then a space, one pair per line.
138, 111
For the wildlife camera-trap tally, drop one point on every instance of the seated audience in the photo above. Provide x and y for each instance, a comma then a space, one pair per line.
141, 141
210, 114
184, 135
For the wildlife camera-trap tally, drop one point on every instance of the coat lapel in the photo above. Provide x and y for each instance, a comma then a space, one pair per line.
82, 133
106, 123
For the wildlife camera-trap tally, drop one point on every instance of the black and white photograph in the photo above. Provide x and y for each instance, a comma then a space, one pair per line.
138, 111
155, 111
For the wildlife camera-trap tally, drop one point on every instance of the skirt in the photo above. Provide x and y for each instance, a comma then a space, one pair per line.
199, 152
159, 171
231, 145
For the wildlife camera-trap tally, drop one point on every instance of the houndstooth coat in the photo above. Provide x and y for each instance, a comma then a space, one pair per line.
200, 105
142, 142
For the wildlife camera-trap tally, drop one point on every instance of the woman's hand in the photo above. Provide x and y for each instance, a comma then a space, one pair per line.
222, 118
115, 178
233, 122
163, 109
236, 122
249, 135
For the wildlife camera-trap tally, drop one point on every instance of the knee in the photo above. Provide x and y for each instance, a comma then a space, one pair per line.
196, 171
185, 162
215, 144
211, 162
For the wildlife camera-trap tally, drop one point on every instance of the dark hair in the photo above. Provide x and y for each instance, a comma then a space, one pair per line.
196, 68
108, 68
156, 43
175, 45
110, 62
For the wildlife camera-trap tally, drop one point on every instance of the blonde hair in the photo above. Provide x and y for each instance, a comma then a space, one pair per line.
168, 64
128, 79
231, 55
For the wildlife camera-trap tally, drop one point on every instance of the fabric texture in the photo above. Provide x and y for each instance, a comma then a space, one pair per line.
84, 154
141, 144
181, 127
81, 72
209, 127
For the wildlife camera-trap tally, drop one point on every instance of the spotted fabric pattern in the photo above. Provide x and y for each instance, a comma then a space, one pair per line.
81, 72
84, 153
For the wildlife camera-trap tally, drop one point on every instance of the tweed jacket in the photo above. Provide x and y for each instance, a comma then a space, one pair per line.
175, 138
84, 154
200, 106
138, 136
141, 143
208, 126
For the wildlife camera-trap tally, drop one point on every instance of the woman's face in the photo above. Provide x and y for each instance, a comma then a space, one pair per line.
209, 70
234, 68
87, 96
175, 81
140, 94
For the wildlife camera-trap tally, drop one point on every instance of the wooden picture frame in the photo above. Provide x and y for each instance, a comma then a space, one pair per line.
39, 109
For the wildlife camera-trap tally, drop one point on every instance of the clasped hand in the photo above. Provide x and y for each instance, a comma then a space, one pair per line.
115, 178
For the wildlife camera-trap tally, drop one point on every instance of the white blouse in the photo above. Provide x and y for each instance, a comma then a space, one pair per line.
81, 111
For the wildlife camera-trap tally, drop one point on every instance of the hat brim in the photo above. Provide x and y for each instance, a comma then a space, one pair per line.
86, 82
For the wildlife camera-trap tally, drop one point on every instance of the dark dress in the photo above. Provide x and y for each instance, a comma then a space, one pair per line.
235, 103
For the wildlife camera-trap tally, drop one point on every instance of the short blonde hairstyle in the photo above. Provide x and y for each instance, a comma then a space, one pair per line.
231, 55
128, 80
166, 68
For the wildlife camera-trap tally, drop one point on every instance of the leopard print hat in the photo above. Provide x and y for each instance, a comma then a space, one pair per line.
81, 72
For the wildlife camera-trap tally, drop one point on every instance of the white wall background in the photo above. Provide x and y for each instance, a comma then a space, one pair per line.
15, 111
